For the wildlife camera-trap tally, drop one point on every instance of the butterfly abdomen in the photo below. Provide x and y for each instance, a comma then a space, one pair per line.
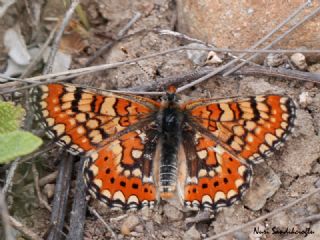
170, 127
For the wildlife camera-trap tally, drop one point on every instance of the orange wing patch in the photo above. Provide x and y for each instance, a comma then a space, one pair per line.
80, 119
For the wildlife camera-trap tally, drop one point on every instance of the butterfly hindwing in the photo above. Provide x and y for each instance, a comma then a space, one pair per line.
120, 173
214, 177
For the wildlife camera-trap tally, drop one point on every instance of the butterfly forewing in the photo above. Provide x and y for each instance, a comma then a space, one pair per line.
253, 127
80, 119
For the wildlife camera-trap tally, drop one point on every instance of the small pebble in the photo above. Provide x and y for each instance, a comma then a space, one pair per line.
305, 99
146, 213
274, 60
280, 220
129, 224
240, 236
197, 56
48, 190
299, 60
312, 209
149, 227
192, 234
166, 233
139, 229
172, 213
315, 68
264, 186
213, 58
157, 218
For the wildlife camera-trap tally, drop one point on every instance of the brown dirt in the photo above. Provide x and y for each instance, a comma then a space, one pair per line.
297, 164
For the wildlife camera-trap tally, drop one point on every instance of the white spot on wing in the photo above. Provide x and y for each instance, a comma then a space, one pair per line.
207, 199
119, 196
219, 195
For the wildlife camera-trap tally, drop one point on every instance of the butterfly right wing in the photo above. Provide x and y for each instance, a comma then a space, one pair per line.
80, 119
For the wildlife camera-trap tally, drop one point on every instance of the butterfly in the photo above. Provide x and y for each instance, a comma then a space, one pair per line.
139, 151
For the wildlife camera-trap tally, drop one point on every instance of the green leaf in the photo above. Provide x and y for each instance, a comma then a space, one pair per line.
17, 143
10, 117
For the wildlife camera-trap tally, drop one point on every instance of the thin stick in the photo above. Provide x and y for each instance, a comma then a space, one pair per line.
56, 42
45, 180
94, 212
37, 187
207, 76
23, 229
16, 79
280, 72
309, 16
5, 217
10, 175
312, 218
268, 215
56, 77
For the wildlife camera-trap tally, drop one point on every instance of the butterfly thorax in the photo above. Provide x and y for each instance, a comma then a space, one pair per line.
170, 119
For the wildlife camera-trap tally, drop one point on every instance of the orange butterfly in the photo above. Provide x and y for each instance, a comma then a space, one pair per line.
139, 150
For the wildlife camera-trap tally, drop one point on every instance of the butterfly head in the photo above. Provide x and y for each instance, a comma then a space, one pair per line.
171, 95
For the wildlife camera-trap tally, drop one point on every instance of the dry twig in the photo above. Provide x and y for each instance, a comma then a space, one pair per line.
10, 175
94, 212
312, 218
5, 217
24, 229
37, 188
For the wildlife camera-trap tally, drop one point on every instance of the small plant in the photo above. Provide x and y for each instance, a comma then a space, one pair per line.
14, 142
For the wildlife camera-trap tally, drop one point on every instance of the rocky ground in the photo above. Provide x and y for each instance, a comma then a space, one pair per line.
286, 176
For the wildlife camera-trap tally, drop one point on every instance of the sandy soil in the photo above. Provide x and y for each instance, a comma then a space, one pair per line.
291, 172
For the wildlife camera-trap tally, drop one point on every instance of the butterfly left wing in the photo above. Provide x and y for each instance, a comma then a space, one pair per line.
214, 178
